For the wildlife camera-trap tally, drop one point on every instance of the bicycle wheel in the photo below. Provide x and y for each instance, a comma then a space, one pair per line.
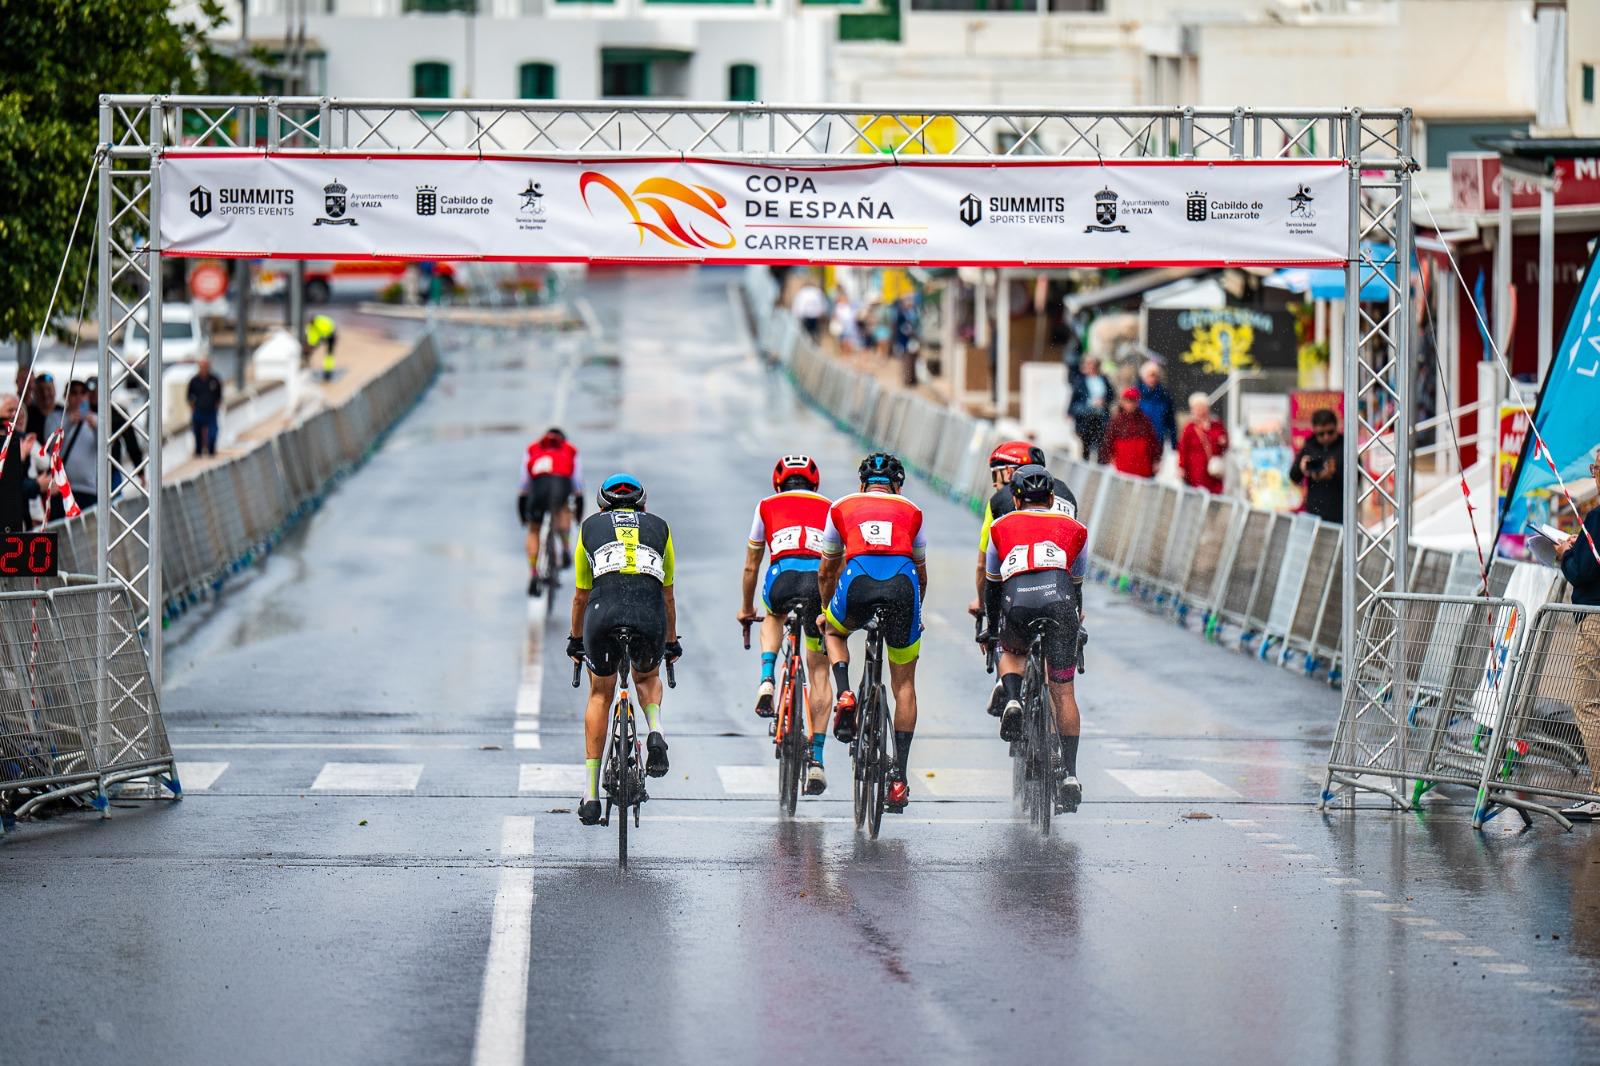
625, 767
552, 570
1044, 770
791, 762
880, 761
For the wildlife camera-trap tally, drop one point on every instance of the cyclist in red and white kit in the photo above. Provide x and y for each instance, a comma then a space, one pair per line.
552, 475
788, 526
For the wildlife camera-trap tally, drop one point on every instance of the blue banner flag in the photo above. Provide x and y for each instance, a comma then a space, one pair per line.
1565, 418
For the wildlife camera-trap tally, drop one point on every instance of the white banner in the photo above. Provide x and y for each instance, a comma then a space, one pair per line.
1056, 213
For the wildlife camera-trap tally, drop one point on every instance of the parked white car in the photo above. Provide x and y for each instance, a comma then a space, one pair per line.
183, 336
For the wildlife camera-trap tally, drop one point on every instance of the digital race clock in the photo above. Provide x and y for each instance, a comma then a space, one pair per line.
28, 554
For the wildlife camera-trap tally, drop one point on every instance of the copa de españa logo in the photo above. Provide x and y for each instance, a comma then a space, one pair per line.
684, 216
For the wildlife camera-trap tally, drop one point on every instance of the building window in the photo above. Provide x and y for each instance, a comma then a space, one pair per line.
1588, 83
432, 7
537, 81
625, 77
430, 80
742, 83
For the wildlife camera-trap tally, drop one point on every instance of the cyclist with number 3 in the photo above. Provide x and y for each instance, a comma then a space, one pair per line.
1034, 568
788, 526
873, 557
624, 581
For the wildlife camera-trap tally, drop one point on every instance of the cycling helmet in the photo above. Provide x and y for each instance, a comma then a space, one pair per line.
621, 490
792, 467
1032, 484
881, 466
1015, 453
553, 437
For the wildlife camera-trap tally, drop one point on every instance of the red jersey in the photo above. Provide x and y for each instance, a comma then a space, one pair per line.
789, 525
559, 461
874, 523
1023, 542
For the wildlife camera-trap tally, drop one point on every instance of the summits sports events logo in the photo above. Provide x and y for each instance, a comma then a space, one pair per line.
683, 216
241, 200
971, 210
1013, 210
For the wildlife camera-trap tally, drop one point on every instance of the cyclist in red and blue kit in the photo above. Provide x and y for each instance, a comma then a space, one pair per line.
873, 553
788, 526
551, 476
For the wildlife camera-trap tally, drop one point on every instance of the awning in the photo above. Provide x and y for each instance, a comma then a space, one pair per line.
1328, 284
1129, 287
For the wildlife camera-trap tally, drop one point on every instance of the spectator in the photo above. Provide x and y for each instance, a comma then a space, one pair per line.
1131, 444
205, 401
845, 326
907, 340
121, 440
1582, 571
44, 414
1202, 447
1156, 402
1090, 404
322, 330
1317, 467
878, 317
80, 449
17, 484
811, 307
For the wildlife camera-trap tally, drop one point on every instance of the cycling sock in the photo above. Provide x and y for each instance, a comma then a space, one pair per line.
591, 769
819, 740
769, 659
1069, 754
1012, 683
841, 677
902, 749
652, 715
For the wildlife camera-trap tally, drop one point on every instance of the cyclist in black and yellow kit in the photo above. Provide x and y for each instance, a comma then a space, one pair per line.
624, 559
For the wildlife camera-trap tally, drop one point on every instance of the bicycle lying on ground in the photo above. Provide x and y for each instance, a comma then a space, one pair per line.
622, 774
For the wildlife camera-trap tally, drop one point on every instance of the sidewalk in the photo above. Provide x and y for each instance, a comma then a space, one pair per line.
363, 354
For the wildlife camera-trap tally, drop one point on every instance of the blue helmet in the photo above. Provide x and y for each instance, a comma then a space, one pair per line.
882, 467
621, 490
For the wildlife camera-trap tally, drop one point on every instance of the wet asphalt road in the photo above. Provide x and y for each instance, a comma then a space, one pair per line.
348, 717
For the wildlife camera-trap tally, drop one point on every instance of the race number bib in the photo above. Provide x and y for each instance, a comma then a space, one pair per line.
622, 558
795, 538
1015, 562
543, 465
611, 559
1045, 555
1062, 505
878, 533
1048, 555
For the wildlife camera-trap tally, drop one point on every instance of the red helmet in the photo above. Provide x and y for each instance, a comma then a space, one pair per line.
1015, 453
802, 466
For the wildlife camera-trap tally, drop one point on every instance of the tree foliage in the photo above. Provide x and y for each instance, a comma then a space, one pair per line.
56, 58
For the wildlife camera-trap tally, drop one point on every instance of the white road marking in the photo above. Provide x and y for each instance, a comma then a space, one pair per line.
1187, 783
1443, 934
1282, 845
1418, 921
1391, 908
526, 741
1505, 967
1236, 822
531, 687
563, 778
368, 777
1476, 952
959, 781
1342, 880
319, 746
199, 776
1364, 893
749, 780
503, 1005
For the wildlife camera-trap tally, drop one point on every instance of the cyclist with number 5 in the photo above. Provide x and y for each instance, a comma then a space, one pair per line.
873, 557
788, 526
1034, 566
552, 475
624, 581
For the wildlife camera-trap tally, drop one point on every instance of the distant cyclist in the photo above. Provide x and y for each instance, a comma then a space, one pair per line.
1034, 565
788, 525
551, 476
873, 555
624, 579
1004, 461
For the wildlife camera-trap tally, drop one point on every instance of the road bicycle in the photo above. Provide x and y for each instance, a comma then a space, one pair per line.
790, 746
870, 756
549, 569
1033, 756
622, 774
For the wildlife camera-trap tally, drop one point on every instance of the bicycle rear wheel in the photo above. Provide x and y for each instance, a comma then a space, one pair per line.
552, 570
625, 773
1044, 769
878, 760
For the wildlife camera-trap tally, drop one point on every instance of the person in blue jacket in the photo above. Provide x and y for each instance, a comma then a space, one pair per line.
1156, 402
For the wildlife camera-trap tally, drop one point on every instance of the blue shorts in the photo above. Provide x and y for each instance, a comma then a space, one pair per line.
887, 581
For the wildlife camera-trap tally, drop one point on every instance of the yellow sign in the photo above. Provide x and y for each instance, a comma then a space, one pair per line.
908, 134
1222, 346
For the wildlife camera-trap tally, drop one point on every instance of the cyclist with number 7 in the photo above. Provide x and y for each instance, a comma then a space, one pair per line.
1034, 567
788, 526
873, 558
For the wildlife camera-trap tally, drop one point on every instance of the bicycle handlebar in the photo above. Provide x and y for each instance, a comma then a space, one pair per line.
672, 679
747, 624
577, 672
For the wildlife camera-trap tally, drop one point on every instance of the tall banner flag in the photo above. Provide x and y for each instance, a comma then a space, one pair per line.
1565, 417
354, 205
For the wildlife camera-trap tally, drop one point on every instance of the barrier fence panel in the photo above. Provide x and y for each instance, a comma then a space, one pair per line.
1153, 528
1273, 551
1241, 568
1182, 543
1203, 582
1322, 571
1548, 741
1422, 710
42, 736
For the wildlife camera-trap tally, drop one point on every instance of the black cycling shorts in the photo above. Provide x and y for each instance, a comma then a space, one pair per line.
789, 588
634, 601
1045, 597
547, 494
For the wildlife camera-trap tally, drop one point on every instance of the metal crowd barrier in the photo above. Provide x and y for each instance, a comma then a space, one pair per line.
1420, 706
78, 713
1547, 743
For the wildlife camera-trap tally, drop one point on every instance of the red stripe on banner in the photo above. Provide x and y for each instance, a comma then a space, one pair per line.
353, 257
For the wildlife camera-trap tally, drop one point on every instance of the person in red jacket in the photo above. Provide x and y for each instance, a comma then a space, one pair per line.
1202, 447
1131, 444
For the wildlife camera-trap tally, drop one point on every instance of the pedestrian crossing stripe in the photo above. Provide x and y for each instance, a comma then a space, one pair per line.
1187, 784
199, 776
368, 777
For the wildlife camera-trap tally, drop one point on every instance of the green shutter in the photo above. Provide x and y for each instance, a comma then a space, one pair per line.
430, 81
742, 83
537, 81
1588, 83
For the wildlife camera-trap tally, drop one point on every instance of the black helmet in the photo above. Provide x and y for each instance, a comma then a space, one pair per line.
881, 466
553, 437
1032, 484
621, 490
